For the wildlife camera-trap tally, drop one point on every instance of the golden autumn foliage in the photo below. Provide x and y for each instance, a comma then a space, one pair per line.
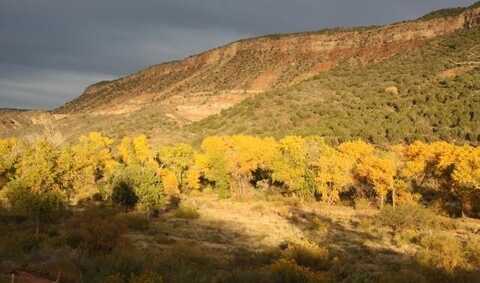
290, 164
455, 166
234, 165
230, 161
179, 159
170, 181
86, 162
334, 174
357, 150
192, 181
379, 173
9, 153
467, 168
37, 167
213, 164
245, 155
136, 150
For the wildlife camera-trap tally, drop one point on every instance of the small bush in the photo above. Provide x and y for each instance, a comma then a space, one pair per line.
288, 271
39, 207
441, 251
409, 216
95, 233
136, 186
19, 243
473, 251
309, 256
124, 195
186, 212
119, 266
406, 236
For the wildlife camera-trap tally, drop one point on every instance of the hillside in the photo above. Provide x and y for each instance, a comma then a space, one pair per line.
331, 82
261, 64
429, 93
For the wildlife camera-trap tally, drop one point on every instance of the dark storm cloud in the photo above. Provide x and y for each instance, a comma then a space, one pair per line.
51, 49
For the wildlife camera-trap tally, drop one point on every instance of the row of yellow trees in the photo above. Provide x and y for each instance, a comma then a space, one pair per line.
236, 165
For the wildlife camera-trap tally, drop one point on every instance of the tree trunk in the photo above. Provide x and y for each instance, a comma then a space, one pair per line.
394, 198
242, 187
181, 189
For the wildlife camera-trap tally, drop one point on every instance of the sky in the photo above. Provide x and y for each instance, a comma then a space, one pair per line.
51, 50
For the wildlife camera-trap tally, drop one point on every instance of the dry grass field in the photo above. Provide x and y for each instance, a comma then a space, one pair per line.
261, 238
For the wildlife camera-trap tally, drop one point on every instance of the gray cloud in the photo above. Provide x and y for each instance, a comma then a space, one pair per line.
26, 87
50, 50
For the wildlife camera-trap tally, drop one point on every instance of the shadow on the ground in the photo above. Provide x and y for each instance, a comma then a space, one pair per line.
206, 250
358, 256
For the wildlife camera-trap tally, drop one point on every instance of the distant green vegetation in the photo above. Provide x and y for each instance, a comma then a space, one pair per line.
451, 12
408, 97
327, 31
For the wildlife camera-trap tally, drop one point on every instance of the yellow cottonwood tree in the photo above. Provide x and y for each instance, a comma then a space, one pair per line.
467, 168
334, 174
425, 161
37, 167
213, 165
246, 154
169, 181
232, 160
357, 149
379, 173
290, 166
452, 169
36, 191
192, 181
10, 151
466, 179
136, 151
178, 159
85, 163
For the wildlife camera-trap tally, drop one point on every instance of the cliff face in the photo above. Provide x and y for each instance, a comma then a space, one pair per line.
261, 64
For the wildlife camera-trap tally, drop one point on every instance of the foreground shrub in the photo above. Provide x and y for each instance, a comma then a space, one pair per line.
186, 212
310, 256
288, 271
95, 232
138, 185
123, 194
409, 216
38, 206
473, 251
441, 251
19, 244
